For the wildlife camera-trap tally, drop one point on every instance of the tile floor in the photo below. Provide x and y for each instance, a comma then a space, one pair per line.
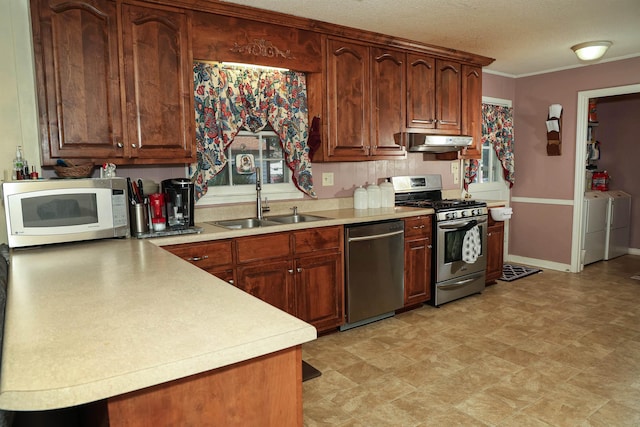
552, 349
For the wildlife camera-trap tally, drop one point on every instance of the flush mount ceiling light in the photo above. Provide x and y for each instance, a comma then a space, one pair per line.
590, 51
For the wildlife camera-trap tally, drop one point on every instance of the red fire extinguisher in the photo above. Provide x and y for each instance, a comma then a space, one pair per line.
600, 181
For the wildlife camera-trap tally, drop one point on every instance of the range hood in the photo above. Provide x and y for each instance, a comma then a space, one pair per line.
420, 142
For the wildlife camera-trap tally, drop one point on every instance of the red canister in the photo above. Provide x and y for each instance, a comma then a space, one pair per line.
600, 181
158, 217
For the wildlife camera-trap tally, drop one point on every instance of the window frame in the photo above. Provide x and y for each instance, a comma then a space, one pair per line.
219, 195
498, 189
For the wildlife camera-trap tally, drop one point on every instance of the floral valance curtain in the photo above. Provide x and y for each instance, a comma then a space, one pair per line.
497, 129
228, 98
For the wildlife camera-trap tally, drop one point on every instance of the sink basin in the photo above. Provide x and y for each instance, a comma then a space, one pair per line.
244, 223
294, 219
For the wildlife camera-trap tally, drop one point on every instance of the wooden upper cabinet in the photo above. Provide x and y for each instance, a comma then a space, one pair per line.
448, 95
389, 100
104, 105
348, 100
366, 101
434, 94
78, 86
472, 110
421, 91
158, 83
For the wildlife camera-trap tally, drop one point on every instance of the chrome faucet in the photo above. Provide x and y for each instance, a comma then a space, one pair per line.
260, 209
258, 195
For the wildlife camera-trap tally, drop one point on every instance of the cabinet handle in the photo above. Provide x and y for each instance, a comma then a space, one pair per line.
418, 228
290, 271
198, 258
489, 234
430, 246
133, 145
299, 270
120, 144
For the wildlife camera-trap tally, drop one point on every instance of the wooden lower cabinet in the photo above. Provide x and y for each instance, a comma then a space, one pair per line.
300, 272
495, 250
264, 391
417, 260
270, 281
319, 291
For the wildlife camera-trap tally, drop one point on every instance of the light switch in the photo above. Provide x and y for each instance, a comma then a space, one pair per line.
327, 179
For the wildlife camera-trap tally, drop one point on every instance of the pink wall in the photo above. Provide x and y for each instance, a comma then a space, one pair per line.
619, 136
552, 177
498, 86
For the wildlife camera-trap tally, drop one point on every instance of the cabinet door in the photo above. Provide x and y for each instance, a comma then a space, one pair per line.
495, 249
417, 271
158, 84
272, 282
348, 101
78, 82
472, 110
320, 290
421, 96
448, 95
389, 101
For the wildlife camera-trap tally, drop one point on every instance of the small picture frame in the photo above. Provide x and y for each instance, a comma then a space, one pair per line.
245, 164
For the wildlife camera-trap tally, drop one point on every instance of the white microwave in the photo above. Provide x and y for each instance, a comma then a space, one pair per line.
40, 212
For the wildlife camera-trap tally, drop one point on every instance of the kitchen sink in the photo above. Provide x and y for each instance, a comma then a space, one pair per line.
295, 218
244, 223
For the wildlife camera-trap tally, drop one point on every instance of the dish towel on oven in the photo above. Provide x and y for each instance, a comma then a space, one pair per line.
471, 245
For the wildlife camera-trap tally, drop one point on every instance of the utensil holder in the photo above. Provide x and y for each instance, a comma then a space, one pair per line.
139, 216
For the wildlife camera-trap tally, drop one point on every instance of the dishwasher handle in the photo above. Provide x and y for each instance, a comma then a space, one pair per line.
375, 236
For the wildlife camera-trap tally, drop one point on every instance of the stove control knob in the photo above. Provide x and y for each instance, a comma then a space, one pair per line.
463, 214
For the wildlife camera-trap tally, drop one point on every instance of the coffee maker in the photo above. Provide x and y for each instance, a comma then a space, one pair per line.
179, 198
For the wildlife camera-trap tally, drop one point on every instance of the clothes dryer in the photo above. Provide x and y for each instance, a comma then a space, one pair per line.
618, 224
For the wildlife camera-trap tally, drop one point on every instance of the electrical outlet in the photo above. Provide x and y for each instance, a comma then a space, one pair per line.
455, 171
327, 179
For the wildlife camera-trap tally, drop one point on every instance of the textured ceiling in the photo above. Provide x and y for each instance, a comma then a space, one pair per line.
524, 36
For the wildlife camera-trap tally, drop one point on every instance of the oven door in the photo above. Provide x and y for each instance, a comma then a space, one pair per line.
449, 249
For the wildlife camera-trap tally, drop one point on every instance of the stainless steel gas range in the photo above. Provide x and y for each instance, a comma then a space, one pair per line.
459, 233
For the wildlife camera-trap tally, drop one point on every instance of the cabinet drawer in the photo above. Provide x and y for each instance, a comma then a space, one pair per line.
417, 226
257, 248
205, 255
317, 239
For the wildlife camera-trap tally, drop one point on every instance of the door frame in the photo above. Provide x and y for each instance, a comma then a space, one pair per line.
580, 171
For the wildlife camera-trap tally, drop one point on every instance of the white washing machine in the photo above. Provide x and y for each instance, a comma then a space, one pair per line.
618, 224
594, 232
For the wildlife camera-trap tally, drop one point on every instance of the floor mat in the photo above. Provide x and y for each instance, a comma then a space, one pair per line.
511, 272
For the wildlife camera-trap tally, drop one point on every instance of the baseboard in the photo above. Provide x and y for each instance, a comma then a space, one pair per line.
634, 251
539, 263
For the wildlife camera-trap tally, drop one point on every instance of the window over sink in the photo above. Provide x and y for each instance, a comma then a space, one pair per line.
237, 181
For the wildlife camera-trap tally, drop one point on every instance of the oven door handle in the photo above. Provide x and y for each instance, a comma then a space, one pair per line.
467, 226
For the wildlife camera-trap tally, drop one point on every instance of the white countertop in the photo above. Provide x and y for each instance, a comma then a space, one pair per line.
87, 321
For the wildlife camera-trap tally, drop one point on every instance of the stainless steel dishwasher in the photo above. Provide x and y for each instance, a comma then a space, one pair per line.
374, 259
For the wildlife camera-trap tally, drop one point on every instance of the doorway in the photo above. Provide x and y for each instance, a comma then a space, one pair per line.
580, 171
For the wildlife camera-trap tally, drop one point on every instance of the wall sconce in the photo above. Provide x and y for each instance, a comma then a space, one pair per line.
590, 51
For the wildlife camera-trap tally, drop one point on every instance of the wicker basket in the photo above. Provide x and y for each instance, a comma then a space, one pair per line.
76, 171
